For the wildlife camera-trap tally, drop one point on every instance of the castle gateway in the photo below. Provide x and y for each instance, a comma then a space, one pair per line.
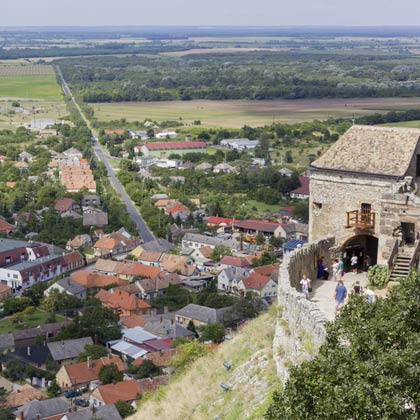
365, 192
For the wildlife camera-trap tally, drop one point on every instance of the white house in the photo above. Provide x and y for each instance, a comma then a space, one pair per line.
166, 135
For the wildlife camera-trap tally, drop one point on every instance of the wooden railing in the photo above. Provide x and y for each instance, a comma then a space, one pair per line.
361, 220
393, 257
414, 262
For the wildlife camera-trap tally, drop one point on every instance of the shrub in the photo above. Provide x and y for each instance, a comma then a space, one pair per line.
377, 276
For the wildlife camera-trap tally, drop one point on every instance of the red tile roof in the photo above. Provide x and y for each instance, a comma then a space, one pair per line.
159, 358
119, 391
235, 261
176, 145
255, 281
133, 321
137, 269
73, 257
80, 373
215, 220
304, 186
90, 280
6, 227
63, 204
121, 299
178, 207
266, 270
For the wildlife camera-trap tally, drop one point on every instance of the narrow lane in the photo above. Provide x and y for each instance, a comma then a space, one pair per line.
144, 231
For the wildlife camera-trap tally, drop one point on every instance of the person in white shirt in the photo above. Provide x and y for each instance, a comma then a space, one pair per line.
353, 263
305, 284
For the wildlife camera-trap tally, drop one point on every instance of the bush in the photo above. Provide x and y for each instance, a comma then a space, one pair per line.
377, 276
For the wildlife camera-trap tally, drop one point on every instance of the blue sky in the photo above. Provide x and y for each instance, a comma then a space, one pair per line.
210, 12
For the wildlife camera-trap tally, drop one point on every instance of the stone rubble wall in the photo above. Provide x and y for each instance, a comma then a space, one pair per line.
300, 329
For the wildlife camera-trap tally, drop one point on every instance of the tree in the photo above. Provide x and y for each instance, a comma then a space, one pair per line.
302, 210
219, 251
105, 326
12, 305
146, 370
109, 373
57, 301
368, 367
248, 306
265, 259
5, 412
212, 332
94, 351
260, 238
36, 292
192, 328
188, 353
53, 389
124, 408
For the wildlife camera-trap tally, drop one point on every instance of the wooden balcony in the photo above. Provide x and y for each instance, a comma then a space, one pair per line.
360, 220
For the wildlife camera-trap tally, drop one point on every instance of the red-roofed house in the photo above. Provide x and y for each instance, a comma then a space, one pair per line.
63, 205
120, 391
303, 191
219, 221
162, 150
231, 261
264, 286
79, 374
123, 303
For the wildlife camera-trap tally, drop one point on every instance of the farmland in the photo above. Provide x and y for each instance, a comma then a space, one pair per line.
28, 81
36, 89
237, 113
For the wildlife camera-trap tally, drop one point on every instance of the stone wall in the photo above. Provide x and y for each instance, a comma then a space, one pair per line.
300, 329
337, 194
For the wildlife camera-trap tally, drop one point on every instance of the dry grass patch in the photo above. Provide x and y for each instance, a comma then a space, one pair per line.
196, 394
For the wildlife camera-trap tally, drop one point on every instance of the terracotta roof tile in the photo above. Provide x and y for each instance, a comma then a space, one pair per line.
173, 145
91, 280
80, 373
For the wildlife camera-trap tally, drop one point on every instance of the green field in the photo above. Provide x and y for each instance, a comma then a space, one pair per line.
262, 208
31, 86
409, 124
37, 318
236, 114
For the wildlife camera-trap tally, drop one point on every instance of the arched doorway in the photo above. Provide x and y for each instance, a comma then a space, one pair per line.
366, 249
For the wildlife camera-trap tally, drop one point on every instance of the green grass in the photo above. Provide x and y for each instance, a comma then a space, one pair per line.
37, 318
33, 87
262, 208
196, 393
408, 124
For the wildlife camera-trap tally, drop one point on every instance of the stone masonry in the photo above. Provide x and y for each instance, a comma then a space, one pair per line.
300, 329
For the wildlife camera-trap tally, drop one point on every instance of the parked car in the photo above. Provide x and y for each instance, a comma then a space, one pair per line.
72, 393
81, 402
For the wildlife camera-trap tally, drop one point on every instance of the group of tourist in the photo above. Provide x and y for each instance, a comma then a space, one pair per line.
340, 292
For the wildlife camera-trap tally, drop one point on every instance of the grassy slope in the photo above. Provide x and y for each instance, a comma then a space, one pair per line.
196, 394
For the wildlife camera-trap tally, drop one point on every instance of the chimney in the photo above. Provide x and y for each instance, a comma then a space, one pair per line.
93, 409
28, 350
38, 416
69, 409
21, 416
109, 356
161, 319
165, 310
89, 363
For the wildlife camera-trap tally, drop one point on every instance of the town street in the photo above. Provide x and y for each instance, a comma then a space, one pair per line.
143, 229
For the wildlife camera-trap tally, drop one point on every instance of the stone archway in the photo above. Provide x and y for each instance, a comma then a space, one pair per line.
366, 249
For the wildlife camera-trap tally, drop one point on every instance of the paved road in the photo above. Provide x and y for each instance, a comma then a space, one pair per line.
144, 231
